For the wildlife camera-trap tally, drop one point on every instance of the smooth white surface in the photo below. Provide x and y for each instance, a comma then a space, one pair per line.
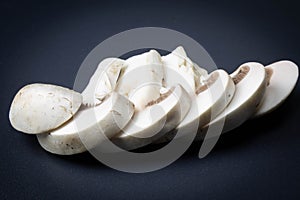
205, 106
215, 98
177, 63
282, 82
149, 124
248, 94
142, 80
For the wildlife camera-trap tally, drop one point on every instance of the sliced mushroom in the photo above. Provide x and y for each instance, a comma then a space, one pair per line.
282, 77
210, 99
39, 108
158, 117
142, 79
177, 63
89, 126
250, 84
103, 81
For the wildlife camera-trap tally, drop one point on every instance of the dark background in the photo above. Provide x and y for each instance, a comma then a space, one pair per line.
46, 41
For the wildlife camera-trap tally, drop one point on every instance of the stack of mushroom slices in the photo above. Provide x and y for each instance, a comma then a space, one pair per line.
146, 99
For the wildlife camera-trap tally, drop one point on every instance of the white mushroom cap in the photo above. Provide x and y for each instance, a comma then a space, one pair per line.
39, 108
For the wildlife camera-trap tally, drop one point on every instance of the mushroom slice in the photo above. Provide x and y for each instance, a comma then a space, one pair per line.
250, 84
103, 81
88, 126
39, 108
282, 77
159, 117
142, 79
178, 62
209, 100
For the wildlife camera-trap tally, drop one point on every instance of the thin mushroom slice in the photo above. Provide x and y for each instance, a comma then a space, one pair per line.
178, 62
142, 79
88, 126
159, 117
209, 100
282, 77
39, 108
103, 81
250, 84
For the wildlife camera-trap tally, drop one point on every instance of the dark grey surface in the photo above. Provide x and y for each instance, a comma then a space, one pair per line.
46, 42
